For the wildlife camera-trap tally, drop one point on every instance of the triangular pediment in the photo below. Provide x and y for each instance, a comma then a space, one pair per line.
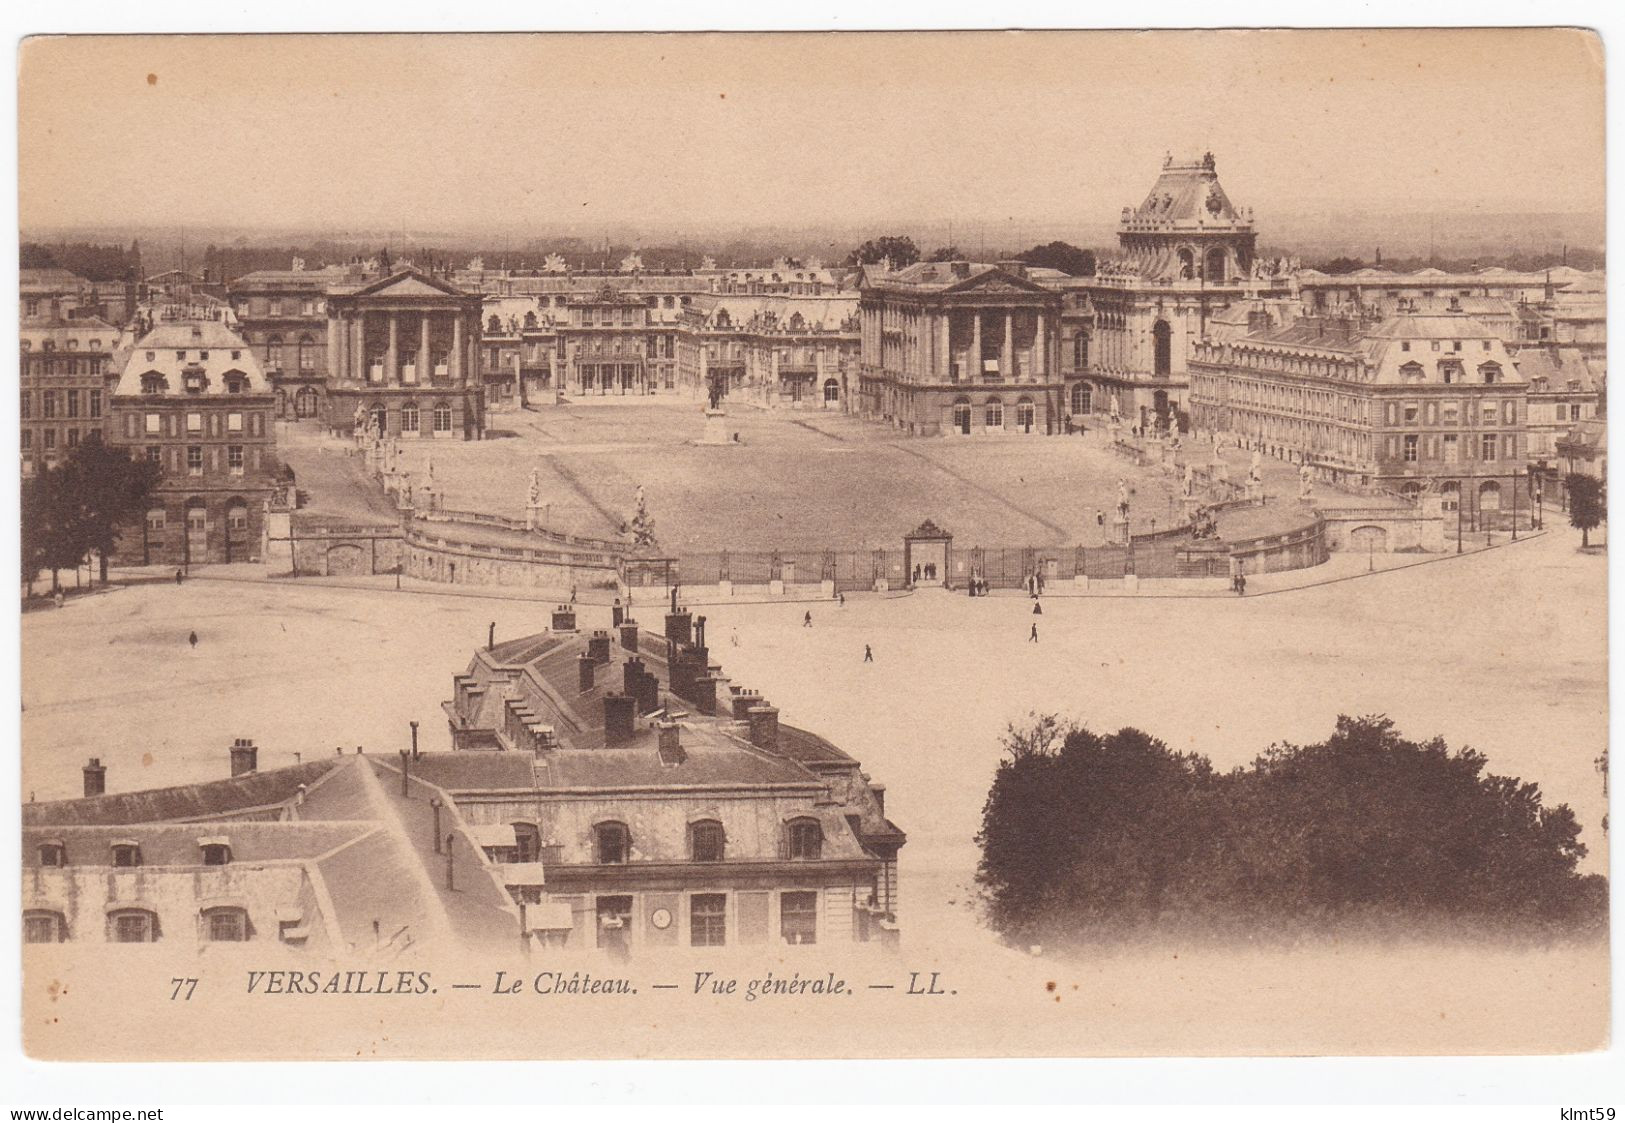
409, 283
997, 280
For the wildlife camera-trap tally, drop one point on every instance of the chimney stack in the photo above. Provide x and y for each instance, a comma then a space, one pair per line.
629, 634
679, 627
743, 700
617, 614
586, 666
647, 691
598, 646
244, 757
564, 618
631, 671
671, 746
620, 719
95, 777
764, 726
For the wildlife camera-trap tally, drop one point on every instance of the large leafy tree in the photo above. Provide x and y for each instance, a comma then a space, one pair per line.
900, 250
1585, 504
110, 490
1069, 259
1086, 833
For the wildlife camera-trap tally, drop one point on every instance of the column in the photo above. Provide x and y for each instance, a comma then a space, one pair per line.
358, 348
425, 363
455, 359
975, 363
392, 364
944, 357
1040, 348
1007, 352
332, 342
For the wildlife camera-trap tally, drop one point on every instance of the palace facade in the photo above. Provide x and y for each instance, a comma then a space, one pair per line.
67, 370
799, 351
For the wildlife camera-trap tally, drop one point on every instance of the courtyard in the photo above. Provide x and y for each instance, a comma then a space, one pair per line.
797, 480
1504, 650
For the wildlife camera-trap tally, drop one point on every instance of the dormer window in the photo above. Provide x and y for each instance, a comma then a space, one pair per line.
195, 382
44, 926
153, 383
126, 855
1491, 373
53, 855
216, 853
226, 924
236, 384
1411, 372
612, 843
706, 841
181, 355
804, 840
152, 356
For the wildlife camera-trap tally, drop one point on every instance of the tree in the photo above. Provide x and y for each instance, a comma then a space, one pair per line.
105, 490
1585, 504
52, 529
946, 253
1069, 259
899, 250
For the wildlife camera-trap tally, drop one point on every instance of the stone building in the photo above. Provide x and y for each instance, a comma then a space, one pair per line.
405, 350
1414, 403
66, 371
192, 398
799, 351
282, 315
605, 345
48, 295
959, 348
666, 808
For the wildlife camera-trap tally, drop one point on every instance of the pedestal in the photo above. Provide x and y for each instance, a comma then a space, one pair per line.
536, 516
716, 428
1120, 531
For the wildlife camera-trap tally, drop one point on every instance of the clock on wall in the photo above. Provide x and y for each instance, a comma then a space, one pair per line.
661, 919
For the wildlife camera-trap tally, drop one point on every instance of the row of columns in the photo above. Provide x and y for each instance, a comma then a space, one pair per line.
346, 342
1007, 350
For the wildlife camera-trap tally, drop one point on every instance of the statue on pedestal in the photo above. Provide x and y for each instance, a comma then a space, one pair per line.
1190, 481
642, 526
536, 488
1306, 482
1122, 498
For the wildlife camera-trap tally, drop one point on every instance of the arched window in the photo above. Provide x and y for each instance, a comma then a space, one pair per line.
411, 422
804, 839
530, 319
442, 416
1216, 270
1162, 348
225, 924
126, 855
132, 926
236, 516
304, 402
797, 322
307, 353
1450, 494
1489, 496
706, 841
44, 926
993, 414
832, 391
1083, 397
1025, 416
273, 352
722, 318
1187, 265
493, 325
612, 844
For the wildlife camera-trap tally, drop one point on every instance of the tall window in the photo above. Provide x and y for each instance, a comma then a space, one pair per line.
234, 459
442, 417
95, 403
132, 926
410, 423
798, 917
1082, 397
993, 415
1410, 448
1487, 447
804, 839
28, 405
273, 352
1162, 348
48, 400
225, 925
708, 920
527, 842
44, 926
307, 353
614, 919
706, 841
1080, 353
194, 460
237, 511
73, 402
612, 843
1451, 452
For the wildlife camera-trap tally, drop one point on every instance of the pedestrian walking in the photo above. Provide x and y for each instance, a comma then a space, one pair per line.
806, 619
1038, 608
840, 599
1241, 580
192, 639
868, 654
177, 577
733, 637
1032, 637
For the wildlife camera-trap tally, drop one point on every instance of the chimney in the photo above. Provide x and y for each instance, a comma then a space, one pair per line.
743, 701
598, 646
244, 757
585, 666
631, 670
617, 614
629, 634
679, 627
764, 726
704, 694
95, 776
671, 745
620, 720
647, 689
564, 619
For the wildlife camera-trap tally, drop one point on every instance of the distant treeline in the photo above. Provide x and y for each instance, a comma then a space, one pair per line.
89, 260
1089, 837
1517, 262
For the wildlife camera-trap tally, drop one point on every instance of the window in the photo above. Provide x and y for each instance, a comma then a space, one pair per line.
27, 440
196, 382
798, 917
1574, 411
307, 353
43, 926
225, 924
132, 926
706, 841
216, 853
1405, 345
194, 423
48, 399
276, 306
126, 855
1450, 413
1082, 397
155, 517
194, 460
1487, 444
73, 438
612, 843
1450, 494
708, 920
993, 415
53, 854
154, 424
237, 510
72, 397
614, 919
95, 403
234, 423
527, 842
410, 422
50, 438
234, 459
1451, 452
1491, 373
155, 453
1410, 413
236, 384
804, 839
1410, 449
442, 417
1025, 416
273, 352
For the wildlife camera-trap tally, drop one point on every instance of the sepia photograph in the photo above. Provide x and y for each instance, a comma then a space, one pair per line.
913, 544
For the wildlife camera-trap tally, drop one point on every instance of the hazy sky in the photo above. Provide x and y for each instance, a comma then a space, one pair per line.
442, 132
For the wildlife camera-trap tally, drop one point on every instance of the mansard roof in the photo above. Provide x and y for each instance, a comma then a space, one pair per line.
1185, 193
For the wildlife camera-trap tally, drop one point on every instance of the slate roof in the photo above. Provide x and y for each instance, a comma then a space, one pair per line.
210, 800
179, 844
